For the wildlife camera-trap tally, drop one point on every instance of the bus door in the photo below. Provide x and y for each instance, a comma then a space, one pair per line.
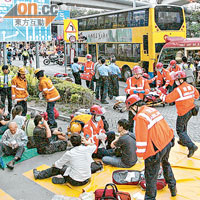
93, 51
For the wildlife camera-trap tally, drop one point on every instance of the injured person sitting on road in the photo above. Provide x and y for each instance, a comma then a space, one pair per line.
47, 141
124, 154
74, 165
12, 143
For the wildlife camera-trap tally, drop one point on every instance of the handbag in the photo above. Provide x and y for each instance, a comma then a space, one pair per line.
96, 166
111, 194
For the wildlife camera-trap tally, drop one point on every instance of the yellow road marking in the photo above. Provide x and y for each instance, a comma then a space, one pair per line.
5, 196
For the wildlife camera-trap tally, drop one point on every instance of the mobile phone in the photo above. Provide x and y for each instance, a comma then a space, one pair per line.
41, 122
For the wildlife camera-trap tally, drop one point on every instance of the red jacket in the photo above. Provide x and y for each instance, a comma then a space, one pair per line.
151, 130
183, 96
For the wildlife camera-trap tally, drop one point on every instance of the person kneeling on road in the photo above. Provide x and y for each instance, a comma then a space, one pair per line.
183, 96
125, 148
154, 139
44, 140
74, 165
12, 143
94, 131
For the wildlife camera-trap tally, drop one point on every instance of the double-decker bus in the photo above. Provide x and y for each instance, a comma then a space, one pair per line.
134, 36
177, 47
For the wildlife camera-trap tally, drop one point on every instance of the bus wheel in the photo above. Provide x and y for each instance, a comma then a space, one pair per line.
126, 73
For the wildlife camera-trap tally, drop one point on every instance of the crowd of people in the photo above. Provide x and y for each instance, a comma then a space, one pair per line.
151, 140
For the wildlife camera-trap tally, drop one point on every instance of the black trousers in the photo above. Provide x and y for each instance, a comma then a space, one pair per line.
53, 171
113, 86
90, 84
6, 92
77, 78
24, 105
152, 167
181, 129
6, 150
104, 84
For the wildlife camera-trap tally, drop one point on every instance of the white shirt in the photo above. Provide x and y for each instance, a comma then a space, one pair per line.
79, 161
20, 120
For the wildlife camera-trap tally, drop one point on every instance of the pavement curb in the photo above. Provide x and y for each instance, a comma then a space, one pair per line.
61, 117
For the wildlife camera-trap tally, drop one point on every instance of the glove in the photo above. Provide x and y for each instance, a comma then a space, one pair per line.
135, 92
40, 95
142, 92
102, 136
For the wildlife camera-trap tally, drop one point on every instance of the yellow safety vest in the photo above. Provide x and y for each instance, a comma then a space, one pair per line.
10, 76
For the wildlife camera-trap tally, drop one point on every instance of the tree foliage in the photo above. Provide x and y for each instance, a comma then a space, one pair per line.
79, 12
193, 24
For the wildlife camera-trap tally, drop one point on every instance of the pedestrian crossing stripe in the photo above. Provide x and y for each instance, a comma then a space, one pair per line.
5, 196
65, 189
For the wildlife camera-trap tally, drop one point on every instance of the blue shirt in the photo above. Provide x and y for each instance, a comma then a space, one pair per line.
75, 68
114, 69
6, 80
104, 70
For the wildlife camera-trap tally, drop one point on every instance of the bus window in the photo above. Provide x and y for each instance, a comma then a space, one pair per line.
169, 17
159, 46
146, 44
91, 23
100, 22
110, 21
169, 54
140, 18
136, 52
110, 50
82, 50
122, 20
82, 24
101, 49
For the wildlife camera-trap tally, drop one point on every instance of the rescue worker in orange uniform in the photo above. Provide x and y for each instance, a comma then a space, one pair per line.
174, 67
50, 93
89, 68
94, 132
163, 77
154, 139
183, 96
19, 90
136, 85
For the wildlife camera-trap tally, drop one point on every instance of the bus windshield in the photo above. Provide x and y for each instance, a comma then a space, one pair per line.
168, 17
169, 54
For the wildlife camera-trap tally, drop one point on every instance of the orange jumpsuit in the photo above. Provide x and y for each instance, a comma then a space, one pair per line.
140, 84
50, 92
91, 130
183, 96
89, 68
19, 89
151, 130
165, 76
177, 68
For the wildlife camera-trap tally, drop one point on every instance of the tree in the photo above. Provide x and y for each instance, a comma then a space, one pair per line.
193, 24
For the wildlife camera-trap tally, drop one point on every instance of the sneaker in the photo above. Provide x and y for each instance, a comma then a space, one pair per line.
173, 191
35, 173
192, 150
2, 165
10, 165
104, 102
181, 143
57, 180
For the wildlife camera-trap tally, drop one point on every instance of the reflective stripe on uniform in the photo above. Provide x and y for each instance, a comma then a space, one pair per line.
55, 98
17, 88
51, 88
140, 150
187, 95
140, 144
151, 122
13, 86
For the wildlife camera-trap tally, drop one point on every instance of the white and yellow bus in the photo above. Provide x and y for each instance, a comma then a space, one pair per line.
133, 36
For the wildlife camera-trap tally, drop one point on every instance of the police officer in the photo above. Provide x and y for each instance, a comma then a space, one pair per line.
183, 96
115, 74
96, 67
104, 72
19, 90
50, 93
76, 72
5, 81
154, 139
